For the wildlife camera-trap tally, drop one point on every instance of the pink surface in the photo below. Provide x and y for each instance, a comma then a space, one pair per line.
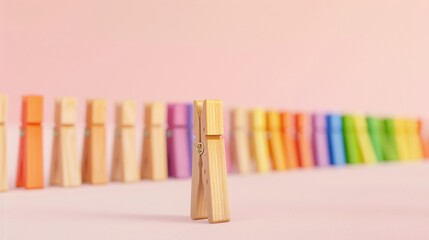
379, 202
339, 55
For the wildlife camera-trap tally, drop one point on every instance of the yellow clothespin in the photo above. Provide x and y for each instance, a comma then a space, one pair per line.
65, 166
124, 166
401, 138
414, 142
209, 179
275, 140
154, 163
240, 141
259, 141
3, 160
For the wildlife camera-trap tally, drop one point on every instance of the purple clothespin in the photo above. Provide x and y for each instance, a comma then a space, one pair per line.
320, 140
177, 141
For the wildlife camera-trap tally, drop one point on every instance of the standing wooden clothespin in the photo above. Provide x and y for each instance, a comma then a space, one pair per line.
65, 166
30, 163
289, 140
94, 167
209, 178
424, 136
365, 147
240, 141
259, 140
303, 138
124, 166
275, 141
401, 138
414, 141
337, 151
154, 158
3, 156
177, 141
351, 143
320, 140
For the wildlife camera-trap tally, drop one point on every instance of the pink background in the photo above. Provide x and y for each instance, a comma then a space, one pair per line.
368, 56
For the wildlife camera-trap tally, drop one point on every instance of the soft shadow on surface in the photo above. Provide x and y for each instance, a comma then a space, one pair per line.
119, 216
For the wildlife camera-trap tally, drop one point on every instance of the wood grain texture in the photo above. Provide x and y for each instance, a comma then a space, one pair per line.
364, 141
94, 167
65, 166
240, 149
275, 141
154, 158
209, 178
259, 141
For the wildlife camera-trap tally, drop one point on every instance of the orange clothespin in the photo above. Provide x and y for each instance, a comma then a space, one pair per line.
154, 163
424, 136
275, 140
30, 163
65, 166
124, 167
240, 141
303, 129
289, 140
3, 160
94, 168
209, 197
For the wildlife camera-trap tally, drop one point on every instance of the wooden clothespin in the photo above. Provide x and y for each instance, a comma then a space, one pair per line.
424, 136
320, 140
401, 138
65, 165
375, 130
240, 141
364, 141
177, 141
351, 140
124, 166
303, 137
4, 183
30, 163
154, 162
259, 141
390, 149
337, 151
413, 139
94, 166
275, 141
289, 140
209, 178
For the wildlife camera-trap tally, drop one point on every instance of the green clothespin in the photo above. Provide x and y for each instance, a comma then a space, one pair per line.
351, 141
376, 132
389, 143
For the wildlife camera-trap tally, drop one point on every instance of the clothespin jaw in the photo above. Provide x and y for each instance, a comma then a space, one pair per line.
177, 115
66, 111
96, 112
258, 120
273, 121
155, 115
209, 178
126, 113
32, 110
319, 122
239, 119
3, 106
302, 122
